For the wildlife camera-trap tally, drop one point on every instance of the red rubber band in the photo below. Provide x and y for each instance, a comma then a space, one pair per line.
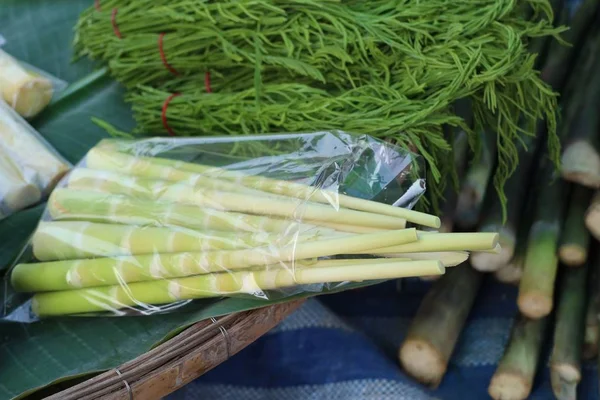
163, 57
113, 20
97, 5
207, 82
164, 113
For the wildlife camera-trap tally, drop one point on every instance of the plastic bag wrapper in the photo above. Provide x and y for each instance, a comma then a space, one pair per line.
150, 226
29, 166
27, 89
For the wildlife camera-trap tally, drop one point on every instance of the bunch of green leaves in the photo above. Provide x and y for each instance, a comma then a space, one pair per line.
385, 68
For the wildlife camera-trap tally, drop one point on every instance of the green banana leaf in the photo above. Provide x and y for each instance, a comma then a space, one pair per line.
34, 356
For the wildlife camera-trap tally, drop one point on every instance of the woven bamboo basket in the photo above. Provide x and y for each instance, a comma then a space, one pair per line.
180, 360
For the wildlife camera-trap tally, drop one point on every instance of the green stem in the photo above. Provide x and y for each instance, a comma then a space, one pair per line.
592, 216
67, 240
435, 329
155, 167
569, 331
69, 274
146, 295
515, 373
79, 205
171, 192
506, 219
473, 190
443, 242
536, 289
575, 238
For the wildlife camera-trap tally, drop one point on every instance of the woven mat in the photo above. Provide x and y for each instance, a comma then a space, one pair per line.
344, 347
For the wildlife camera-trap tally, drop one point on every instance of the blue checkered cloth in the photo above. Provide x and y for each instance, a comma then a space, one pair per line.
344, 346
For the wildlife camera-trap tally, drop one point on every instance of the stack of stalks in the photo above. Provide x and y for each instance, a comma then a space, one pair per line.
547, 234
130, 232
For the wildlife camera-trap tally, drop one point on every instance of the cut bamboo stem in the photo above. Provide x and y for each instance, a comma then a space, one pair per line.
105, 158
575, 238
592, 216
580, 161
592, 326
448, 258
16, 192
227, 201
146, 295
67, 240
515, 373
435, 330
69, 274
80, 205
478, 175
536, 289
36, 160
26, 93
494, 219
565, 362
441, 242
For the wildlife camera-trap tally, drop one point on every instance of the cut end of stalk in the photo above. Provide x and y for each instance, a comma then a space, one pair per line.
572, 255
491, 261
581, 164
592, 221
422, 361
21, 197
567, 372
510, 274
563, 389
509, 386
535, 305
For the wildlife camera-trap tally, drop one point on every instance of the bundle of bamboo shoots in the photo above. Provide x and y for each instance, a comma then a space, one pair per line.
129, 231
27, 92
29, 167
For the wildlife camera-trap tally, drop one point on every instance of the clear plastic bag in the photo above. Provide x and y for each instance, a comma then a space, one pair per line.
29, 167
27, 89
147, 226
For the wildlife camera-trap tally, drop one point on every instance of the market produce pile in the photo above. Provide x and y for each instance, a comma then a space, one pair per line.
393, 70
549, 239
129, 231
488, 92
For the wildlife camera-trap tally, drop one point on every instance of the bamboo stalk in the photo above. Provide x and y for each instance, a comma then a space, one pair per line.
227, 201
154, 167
575, 238
536, 289
441, 242
581, 155
79, 205
592, 326
494, 218
148, 294
16, 192
37, 162
559, 60
69, 274
512, 272
26, 93
435, 329
515, 373
592, 216
478, 175
67, 240
565, 362
460, 150
448, 258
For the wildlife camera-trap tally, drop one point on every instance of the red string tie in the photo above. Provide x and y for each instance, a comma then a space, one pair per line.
164, 113
163, 57
113, 20
97, 5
